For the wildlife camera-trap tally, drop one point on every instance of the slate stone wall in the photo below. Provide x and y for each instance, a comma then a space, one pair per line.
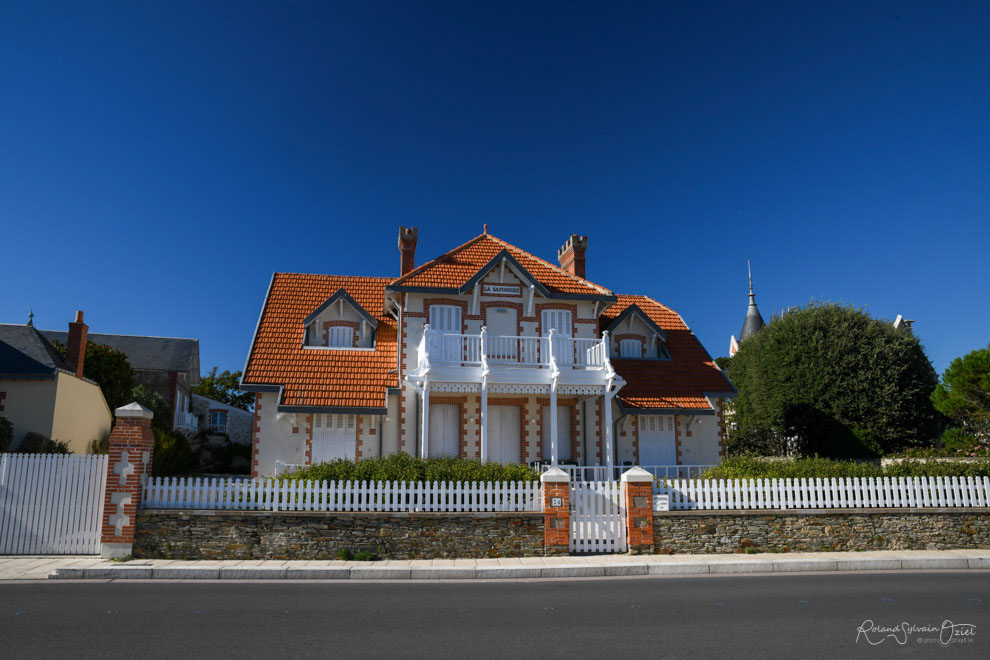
318, 535
695, 532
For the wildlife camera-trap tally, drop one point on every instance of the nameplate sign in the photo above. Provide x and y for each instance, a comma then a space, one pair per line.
662, 503
501, 290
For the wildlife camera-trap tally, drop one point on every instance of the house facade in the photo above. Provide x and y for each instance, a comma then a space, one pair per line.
44, 394
486, 352
166, 365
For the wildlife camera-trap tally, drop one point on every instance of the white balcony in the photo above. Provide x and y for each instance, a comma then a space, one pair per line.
513, 359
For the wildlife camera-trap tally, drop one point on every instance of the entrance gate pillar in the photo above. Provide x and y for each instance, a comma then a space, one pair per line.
131, 446
637, 485
556, 511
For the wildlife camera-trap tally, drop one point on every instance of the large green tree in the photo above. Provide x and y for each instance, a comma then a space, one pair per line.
110, 369
964, 393
829, 380
225, 388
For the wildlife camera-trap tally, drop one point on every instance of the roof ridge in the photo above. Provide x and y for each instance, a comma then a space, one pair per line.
353, 277
417, 269
556, 267
121, 334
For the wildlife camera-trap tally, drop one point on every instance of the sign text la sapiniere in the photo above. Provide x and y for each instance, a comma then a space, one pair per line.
501, 290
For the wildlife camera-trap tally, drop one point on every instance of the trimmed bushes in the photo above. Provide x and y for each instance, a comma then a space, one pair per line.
403, 467
751, 468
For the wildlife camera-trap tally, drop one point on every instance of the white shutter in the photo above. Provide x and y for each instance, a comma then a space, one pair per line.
341, 337
557, 319
446, 319
631, 348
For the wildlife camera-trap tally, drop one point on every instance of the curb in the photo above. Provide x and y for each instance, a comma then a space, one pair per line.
371, 572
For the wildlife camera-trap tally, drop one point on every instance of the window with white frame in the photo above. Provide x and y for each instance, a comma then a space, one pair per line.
446, 319
558, 320
340, 336
631, 348
218, 421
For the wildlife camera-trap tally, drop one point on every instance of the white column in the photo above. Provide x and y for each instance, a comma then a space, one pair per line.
553, 425
483, 413
425, 451
607, 448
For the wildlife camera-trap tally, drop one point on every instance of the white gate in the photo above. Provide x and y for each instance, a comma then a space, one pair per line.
598, 521
51, 504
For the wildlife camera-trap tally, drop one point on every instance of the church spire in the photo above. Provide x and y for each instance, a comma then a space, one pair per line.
754, 321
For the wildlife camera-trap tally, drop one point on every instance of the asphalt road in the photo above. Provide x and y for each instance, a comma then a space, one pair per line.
704, 617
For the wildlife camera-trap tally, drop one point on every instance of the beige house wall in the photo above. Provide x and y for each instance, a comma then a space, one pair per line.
81, 413
29, 406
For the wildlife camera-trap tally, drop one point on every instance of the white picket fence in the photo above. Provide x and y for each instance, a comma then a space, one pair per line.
272, 495
914, 492
51, 504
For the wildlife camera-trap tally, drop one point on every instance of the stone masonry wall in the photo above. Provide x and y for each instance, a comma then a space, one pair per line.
318, 535
695, 532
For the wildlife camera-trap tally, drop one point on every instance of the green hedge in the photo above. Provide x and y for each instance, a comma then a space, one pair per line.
403, 467
751, 468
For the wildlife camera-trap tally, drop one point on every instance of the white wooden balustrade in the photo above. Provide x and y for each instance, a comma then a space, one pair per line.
872, 492
371, 496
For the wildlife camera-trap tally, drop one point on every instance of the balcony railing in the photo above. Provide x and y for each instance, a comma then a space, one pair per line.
186, 420
218, 429
552, 351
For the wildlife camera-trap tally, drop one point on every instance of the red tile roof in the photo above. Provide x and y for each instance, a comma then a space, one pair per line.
678, 383
341, 378
453, 269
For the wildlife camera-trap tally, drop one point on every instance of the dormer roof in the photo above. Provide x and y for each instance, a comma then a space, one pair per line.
338, 295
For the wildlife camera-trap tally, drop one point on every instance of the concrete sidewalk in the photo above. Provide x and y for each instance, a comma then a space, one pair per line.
74, 568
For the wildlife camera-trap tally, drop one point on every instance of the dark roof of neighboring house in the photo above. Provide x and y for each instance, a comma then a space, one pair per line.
25, 353
146, 353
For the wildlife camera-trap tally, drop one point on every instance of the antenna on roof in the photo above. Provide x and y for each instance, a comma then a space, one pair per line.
31, 318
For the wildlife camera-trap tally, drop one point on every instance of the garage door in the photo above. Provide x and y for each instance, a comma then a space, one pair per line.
503, 434
445, 422
657, 445
334, 436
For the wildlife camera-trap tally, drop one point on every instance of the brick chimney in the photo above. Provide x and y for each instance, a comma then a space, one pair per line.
407, 248
75, 351
571, 255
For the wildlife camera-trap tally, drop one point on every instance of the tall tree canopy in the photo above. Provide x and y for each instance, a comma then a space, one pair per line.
110, 369
829, 380
964, 393
225, 388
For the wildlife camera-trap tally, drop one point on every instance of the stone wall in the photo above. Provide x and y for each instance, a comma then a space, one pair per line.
695, 532
319, 535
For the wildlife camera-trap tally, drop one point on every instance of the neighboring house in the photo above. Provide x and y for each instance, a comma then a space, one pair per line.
223, 419
486, 352
41, 392
166, 365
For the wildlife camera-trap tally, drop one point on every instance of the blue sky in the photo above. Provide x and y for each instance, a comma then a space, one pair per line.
160, 160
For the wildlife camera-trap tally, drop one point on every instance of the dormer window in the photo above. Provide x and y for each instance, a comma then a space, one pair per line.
631, 348
340, 323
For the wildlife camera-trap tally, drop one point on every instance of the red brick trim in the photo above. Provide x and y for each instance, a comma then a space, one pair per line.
677, 437
358, 443
600, 410
308, 420
3, 395
256, 437
633, 435
720, 417
401, 434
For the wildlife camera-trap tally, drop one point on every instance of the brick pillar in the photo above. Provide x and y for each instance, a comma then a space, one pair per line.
556, 512
131, 446
637, 486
